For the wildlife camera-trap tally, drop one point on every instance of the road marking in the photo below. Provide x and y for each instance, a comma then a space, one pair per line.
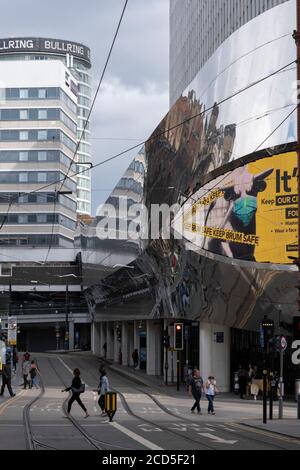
68, 368
217, 439
136, 437
95, 399
270, 434
226, 428
10, 401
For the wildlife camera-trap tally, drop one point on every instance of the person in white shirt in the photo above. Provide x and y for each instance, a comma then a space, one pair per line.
211, 390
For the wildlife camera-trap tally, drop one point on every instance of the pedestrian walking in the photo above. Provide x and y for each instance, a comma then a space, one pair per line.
211, 391
103, 388
26, 366
26, 356
6, 378
195, 390
135, 358
33, 371
15, 358
77, 388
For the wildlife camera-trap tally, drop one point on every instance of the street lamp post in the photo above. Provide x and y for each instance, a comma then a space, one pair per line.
67, 317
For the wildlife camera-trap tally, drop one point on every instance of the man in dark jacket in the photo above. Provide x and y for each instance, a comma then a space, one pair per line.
195, 389
6, 380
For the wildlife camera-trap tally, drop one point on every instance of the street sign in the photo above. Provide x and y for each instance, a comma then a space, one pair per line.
12, 331
283, 343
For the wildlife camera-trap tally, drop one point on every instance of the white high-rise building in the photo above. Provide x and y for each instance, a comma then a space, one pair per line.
198, 28
76, 60
38, 137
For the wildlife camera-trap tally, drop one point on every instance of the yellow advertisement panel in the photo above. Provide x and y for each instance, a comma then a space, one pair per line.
250, 213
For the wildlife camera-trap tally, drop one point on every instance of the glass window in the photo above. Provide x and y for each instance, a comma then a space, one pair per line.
23, 177
42, 135
24, 114
23, 219
24, 93
42, 93
23, 135
42, 177
42, 156
23, 156
42, 218
42, 114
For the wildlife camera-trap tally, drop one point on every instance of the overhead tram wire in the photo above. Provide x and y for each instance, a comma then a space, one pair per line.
85, 124
216, 185
156, 136
96, 94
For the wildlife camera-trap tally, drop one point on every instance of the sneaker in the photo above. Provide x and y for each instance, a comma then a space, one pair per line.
199, 413
13, 395
103, 413
193, 412
87, 415
213, 414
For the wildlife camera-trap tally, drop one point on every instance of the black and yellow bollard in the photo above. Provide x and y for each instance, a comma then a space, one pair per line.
111, 404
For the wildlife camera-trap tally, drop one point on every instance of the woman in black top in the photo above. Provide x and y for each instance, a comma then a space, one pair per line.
76, 384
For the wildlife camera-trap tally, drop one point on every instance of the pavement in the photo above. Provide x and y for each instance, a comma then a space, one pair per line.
242, 412
149, 414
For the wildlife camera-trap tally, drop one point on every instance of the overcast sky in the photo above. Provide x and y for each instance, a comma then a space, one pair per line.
135, 94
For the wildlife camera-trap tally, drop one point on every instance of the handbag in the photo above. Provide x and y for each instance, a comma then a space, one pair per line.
81, 389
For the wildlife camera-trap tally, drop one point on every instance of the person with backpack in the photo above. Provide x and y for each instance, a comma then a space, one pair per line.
33, 375
102, 390
6, 377
195, 390
77, 388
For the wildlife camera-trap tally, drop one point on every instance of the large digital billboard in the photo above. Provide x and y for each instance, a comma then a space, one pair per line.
250, 213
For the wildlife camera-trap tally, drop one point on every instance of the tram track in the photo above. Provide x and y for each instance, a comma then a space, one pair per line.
185, 420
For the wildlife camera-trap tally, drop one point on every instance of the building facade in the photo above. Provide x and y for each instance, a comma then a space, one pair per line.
44, 102
225, 154
76, 58
198, 28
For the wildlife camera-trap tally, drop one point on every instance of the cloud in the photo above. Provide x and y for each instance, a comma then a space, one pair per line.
134, 96
122, 112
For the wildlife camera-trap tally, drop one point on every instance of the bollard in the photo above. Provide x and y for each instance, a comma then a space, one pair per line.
265, 405
111, 404
272, 390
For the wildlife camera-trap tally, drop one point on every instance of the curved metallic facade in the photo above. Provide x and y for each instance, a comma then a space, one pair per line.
239, 109
199, 27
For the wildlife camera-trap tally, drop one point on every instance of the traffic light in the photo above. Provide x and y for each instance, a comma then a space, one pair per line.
268, 330
296, 328
166, 339
178, 336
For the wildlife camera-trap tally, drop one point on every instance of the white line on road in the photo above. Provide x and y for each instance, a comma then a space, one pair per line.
217, 439
68, 368
136, 437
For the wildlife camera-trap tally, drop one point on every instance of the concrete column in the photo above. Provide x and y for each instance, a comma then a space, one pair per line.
71, 335
125, 344
110, 340
130, 343
215, 354
103, 339
136, 338
153, 347
94, 337
117, 346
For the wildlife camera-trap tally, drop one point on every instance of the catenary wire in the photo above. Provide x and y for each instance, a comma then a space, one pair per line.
97, 91
155, 136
